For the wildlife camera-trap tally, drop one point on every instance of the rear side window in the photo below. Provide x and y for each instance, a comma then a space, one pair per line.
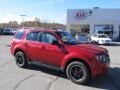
19, 34
48, 37
33, 36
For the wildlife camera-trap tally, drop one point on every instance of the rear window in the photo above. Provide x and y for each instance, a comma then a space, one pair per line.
19, 34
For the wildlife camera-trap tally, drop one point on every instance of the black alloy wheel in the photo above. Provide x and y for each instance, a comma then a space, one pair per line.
20, 59
77, 72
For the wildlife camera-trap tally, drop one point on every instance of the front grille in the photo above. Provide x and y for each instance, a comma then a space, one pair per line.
107, 40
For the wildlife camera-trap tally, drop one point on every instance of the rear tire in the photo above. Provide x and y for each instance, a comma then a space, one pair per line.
77, 72
21, 59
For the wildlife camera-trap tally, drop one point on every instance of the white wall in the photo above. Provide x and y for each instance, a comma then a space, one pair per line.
98, 17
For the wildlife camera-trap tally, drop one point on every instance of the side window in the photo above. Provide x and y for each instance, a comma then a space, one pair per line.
48, 37
33, 36
19, 34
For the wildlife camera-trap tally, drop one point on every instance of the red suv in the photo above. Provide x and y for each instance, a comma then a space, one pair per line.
60, 50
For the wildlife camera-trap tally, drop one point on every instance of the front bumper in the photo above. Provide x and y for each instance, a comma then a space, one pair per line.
106, 42
100, 68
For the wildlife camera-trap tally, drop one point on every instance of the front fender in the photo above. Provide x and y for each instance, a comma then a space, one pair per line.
80, 57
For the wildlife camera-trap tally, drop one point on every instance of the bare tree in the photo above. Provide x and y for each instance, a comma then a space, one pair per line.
13, 24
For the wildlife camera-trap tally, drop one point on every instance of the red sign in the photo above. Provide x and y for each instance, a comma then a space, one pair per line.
81, 15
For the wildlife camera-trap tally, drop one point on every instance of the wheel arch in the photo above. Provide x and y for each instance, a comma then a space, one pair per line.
79, 60
17, 50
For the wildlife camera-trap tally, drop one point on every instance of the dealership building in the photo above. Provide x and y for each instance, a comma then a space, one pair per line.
93, 21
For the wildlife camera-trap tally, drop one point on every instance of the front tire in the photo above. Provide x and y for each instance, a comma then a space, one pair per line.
20, 59
77, 72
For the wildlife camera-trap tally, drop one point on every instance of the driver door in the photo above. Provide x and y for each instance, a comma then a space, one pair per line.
49, 53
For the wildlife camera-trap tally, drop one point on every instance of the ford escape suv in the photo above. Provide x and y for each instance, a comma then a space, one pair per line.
59, 50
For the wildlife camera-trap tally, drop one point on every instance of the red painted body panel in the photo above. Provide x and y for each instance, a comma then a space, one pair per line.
60, 55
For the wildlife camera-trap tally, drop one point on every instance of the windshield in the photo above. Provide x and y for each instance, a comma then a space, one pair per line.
67, 38
102, 36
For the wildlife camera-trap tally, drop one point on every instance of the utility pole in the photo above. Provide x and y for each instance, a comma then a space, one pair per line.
22, 16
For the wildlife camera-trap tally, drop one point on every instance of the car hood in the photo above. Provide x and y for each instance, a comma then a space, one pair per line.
91, 48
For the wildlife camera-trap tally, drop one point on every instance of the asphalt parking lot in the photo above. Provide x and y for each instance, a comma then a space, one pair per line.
39, 78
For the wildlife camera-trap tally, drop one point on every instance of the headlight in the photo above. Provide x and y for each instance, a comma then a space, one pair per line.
102, 58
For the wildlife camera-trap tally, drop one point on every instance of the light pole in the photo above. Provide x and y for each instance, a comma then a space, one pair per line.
23, 19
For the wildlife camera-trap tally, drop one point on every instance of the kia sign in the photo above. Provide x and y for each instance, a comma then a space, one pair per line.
81, 15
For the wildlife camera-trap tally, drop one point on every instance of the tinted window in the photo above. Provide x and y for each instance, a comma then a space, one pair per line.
102, 36
33, 36
67, 38
19, 34
48, 38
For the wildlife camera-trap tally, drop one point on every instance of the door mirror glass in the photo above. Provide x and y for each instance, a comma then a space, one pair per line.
55, 42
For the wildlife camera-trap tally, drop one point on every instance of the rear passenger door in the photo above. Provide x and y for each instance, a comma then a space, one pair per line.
32, 45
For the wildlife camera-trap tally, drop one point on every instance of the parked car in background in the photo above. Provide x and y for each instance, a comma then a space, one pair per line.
14, 31
1, 31
101, 39
7, 31
82, 38
61, 51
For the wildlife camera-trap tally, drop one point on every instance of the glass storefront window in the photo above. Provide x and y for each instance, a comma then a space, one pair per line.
84, 29
104, 29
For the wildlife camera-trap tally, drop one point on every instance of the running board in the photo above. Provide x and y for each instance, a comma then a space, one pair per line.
46, 65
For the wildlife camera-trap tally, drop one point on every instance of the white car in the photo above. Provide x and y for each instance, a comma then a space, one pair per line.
101, 39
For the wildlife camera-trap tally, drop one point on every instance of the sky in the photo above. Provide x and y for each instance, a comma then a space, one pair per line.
47, 10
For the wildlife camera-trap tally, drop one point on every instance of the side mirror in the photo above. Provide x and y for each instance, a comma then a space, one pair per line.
55, 42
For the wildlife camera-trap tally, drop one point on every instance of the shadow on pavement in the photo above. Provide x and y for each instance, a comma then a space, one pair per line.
115, 44
112, 77
116, 70
47, 70
101, 82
